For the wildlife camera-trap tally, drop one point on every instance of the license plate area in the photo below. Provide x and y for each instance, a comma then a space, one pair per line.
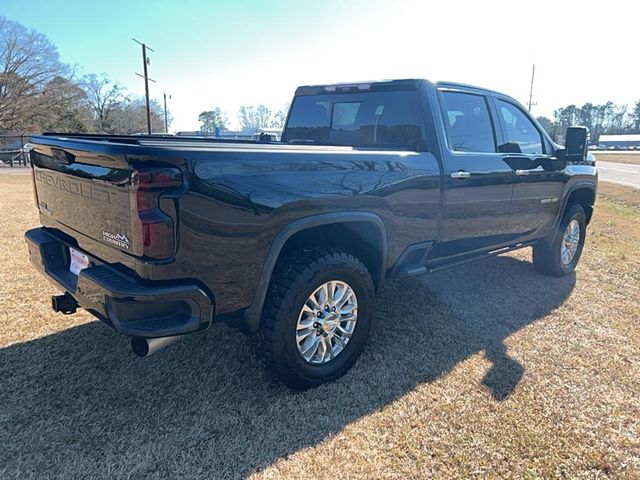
77, 261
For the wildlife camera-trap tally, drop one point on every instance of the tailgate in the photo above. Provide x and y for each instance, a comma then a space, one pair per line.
91, 188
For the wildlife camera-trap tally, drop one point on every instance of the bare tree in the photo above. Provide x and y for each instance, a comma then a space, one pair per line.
254, 116
547, 124
212, 119
28, 62
103, 97
130, 116
635, 115
280, 117
64, 108
620, 122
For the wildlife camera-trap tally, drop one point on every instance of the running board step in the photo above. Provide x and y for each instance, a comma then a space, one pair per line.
412, 271
472, 258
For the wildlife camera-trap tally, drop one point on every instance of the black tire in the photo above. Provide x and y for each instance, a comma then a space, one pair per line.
295, 280
547, 253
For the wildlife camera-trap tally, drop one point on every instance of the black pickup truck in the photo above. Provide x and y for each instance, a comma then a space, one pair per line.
291, 240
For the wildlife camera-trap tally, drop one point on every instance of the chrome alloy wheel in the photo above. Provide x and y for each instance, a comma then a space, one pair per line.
570, 242
327, 322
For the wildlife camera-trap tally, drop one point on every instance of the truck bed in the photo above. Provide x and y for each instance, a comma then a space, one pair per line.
235, 196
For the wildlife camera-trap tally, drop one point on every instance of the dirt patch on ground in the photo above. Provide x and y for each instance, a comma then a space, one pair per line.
487, 370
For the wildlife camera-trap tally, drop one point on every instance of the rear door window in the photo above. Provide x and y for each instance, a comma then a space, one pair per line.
518, 129
468, 123
368, 119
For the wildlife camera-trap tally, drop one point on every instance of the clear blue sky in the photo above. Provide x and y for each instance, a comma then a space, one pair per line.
228, 53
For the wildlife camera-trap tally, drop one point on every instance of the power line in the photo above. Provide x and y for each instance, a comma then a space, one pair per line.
145, 63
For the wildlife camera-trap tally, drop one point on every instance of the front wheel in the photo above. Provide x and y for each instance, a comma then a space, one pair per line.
559, 255
317, 317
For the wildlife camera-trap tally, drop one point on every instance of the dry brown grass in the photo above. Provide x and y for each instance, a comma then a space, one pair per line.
487, 370
618, 157
619, 194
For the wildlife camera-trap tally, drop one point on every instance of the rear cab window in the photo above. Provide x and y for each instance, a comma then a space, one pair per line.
468, 122
383, 119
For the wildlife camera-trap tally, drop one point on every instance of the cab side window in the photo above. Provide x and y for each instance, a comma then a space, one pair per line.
469, 126
518, 130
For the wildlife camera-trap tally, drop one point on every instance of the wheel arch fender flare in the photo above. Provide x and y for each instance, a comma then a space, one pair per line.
565, 199
251, 316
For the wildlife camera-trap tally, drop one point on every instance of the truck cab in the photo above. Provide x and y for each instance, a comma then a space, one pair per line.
502, 180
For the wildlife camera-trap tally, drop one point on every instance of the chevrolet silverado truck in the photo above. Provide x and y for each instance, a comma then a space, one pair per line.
290, 241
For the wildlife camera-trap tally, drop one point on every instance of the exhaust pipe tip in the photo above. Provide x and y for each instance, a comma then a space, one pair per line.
140, 347
143, 347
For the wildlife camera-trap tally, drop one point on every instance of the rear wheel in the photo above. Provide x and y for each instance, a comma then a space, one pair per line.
560, 254
317, 317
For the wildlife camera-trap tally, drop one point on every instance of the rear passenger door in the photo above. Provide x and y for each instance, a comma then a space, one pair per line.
478, 180
537, 188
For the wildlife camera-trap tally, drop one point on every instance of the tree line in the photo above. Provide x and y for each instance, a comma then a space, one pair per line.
40, 93
604, 119
249, 116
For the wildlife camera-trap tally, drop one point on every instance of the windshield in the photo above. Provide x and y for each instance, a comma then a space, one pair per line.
370, 119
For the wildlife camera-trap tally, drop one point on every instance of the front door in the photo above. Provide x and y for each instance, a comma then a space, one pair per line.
478, 180
538, 187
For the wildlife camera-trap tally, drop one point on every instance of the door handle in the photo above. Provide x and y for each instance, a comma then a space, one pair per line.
460, 174
522, 173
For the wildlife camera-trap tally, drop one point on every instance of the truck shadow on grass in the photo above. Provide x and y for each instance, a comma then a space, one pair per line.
78, 403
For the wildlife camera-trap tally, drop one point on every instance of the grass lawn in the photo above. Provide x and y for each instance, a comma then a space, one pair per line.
632, 157
486, 370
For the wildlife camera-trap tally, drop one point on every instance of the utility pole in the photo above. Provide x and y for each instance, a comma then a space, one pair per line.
533, 73
145, 63
166, 125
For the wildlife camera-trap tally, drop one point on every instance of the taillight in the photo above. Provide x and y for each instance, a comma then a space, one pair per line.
156, 227
157, 178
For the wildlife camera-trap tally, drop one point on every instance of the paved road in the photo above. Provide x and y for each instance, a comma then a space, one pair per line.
622, 173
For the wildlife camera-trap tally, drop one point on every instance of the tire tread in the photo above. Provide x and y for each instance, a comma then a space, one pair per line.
291, 271
546, 258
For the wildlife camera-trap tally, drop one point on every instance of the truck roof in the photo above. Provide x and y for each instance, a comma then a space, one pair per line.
465, 85
376, 85
381, 85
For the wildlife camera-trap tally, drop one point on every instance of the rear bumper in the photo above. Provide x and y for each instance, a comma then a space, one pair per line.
132, 306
